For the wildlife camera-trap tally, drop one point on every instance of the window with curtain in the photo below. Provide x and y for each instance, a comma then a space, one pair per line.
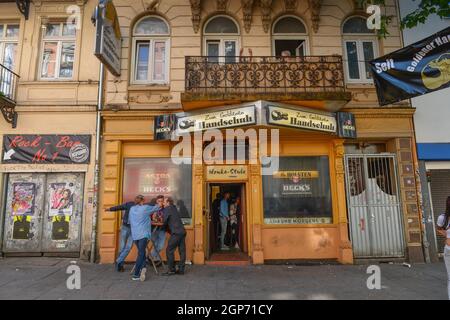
221, 39
9, 37
360, 47
151, 51
289, 37
299, 192
58, 51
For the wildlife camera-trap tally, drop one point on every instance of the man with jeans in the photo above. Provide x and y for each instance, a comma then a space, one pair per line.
126, 241
140, 232
224, 217
158, 232
172, 220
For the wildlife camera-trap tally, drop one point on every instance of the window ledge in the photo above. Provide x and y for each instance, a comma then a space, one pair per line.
360, 86
148, 87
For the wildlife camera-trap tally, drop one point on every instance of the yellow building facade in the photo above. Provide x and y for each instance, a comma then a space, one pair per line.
294, 67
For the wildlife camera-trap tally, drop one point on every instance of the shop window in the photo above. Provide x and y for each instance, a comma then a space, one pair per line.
151, 177
221, 39
58, 51
289, 37
360, 47
151, 51
299, 192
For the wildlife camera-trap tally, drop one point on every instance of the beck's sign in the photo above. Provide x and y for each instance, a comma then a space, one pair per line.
46, 149
420, 68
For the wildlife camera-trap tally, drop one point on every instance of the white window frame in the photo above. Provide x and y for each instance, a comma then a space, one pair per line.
151, 59
60, 39
5, 41
221, 38
150, 40
360, 52
290, 36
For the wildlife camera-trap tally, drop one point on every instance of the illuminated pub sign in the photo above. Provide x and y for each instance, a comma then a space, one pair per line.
46, 149
299, 192
151, 177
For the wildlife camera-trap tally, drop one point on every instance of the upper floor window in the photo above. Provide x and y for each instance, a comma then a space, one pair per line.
221, 39
289, 37
151, 51
58, 51
360, 46
9, 37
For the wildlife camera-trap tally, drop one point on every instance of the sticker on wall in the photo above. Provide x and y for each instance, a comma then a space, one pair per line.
21, 227
60, 227
23, 198
61, 198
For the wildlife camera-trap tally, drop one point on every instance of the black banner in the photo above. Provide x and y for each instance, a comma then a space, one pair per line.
165, 126
346, 125
46, 149
420, 68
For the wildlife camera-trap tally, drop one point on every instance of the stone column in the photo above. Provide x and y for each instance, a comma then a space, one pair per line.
198, 195
256, 212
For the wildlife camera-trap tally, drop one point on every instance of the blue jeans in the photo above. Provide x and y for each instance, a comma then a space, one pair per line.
159, 239
141, 245
126, 243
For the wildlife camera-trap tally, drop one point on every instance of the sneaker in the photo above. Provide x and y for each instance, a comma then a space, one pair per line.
119, 267
143, 272
135, 278
225, 248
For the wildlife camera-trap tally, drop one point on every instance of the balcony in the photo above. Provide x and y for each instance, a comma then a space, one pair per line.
316, 81
8, 87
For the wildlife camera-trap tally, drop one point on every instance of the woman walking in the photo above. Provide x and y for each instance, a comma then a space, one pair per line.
443, 227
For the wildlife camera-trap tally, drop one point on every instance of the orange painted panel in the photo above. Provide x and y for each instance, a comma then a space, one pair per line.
300, 243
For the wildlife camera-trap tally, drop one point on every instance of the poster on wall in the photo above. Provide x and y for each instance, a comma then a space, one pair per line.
21, 227
165, 126
46, 149
415, 70
61, 199
60, 227
24, 194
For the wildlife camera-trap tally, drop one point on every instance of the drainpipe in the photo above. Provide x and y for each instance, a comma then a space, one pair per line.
97, 164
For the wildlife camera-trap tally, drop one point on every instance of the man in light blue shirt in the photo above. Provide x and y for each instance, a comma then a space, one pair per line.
224, 217
140, 232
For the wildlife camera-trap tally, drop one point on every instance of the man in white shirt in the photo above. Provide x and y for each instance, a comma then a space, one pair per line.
443, 228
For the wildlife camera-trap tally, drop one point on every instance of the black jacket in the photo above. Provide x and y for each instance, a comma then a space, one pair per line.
172, 220
125, 207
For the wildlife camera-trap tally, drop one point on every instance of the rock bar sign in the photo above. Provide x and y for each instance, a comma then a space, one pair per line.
225, 173
217, 120
46, 149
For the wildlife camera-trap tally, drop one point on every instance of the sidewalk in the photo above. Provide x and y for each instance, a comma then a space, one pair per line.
45, 278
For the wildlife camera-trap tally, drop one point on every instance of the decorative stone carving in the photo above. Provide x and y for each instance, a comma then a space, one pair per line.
266, 10
314, 6
222, 5
153, 6
247, 10
290, 5
196, 8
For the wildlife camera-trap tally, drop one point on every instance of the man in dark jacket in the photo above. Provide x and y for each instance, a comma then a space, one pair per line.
173, 222
126, 241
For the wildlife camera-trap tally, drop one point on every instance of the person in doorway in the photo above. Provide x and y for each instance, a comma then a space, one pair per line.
158, 231
126, 241
443, 228
224, 217
140, 232
173, 222
215, 207
234, 222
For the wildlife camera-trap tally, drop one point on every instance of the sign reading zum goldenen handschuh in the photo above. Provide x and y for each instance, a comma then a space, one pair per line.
217, 120
417, 69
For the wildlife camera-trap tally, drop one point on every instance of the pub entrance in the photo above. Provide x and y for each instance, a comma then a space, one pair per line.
236, 246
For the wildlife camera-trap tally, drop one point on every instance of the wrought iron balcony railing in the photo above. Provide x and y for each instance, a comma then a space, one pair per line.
8, 83
8, 87
263, 76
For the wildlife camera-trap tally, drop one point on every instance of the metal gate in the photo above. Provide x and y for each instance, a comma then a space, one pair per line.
43, 213
373, 200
